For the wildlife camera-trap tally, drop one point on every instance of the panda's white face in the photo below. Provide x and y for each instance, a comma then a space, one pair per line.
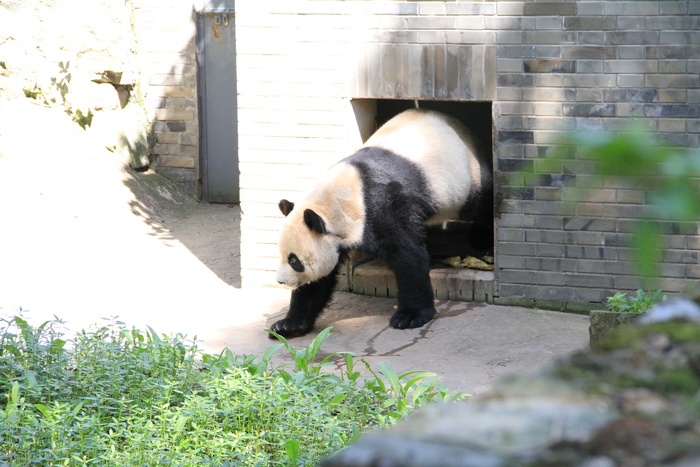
308, 251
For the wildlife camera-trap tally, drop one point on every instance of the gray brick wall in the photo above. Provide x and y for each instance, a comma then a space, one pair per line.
547, 66
166, 34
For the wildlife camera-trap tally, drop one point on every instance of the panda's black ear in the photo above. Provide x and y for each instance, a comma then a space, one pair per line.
314, 222
286, 207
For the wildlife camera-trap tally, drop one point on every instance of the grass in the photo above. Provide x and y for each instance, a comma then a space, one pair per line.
114, 396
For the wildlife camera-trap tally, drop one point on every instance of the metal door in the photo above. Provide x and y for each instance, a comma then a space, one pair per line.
216, 62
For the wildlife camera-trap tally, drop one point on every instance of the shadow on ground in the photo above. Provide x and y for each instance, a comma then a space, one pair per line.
210, 231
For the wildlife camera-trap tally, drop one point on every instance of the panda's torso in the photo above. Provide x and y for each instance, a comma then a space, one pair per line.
421, 164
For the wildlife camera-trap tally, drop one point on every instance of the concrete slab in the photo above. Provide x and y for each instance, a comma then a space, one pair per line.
468, 345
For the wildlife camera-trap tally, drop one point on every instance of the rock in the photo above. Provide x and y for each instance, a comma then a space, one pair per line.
676, 309
603, 321
633, 401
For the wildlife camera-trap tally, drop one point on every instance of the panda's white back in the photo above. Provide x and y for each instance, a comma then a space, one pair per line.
442, 148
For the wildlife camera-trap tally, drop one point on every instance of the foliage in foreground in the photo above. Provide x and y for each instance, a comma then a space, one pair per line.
118, 396
641, 302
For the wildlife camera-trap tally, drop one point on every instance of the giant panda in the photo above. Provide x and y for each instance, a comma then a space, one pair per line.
420, 168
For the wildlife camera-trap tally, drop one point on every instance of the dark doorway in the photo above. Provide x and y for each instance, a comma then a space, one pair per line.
454, 238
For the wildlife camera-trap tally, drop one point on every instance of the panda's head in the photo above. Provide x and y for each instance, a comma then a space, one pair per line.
308, 250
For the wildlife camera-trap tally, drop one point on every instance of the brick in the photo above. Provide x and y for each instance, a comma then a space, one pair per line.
549, 22
555, 293
630, 66
589, 223
632, 81
636, 8
549, 66
550, 278
470, 9
516, 220
630, 95
672, 52
619, 268
549, 9
672, 66
553, 251
550, 264
674, 8
590, 266
548, 37
589, 110
515, 51
674, 38
632, 37
548, 222
672, 110
510, 37
515, 79
673, 270
589, 81
431, 22
545, 236
589, 23
673, 23
631, 52
548, 193
588, 295
509, 8
590, 51
168, 138
625, 23
623, 283
516, 249
682, 140
174, 114
671, 125
590, 66
683, 81
589, 280
590, 37
175, 161
176, 126
510, 235
510, 262
589, 238
515, 137
518, 193
587, 252
516, 277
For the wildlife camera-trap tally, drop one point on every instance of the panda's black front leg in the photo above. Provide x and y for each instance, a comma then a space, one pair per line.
415, 292
307, 303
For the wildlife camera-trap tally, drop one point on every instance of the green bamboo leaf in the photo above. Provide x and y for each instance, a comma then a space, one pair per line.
391, 376
180, 424
338, 398
292, 448
45, 411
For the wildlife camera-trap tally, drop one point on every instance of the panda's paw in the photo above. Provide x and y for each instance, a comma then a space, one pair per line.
288, 328
405, 319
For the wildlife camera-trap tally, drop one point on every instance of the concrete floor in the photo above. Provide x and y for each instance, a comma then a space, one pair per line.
83, 240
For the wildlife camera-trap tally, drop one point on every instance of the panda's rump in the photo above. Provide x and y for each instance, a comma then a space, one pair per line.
442, 149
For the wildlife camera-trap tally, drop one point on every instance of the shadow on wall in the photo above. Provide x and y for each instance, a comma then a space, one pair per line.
166, 199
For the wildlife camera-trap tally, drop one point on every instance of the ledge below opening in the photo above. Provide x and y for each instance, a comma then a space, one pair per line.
374, 278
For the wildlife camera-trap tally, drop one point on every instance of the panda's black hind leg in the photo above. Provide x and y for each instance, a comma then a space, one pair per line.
415, 293
412, 318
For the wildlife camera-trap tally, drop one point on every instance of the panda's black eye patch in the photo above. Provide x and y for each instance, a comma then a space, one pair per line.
294, 262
